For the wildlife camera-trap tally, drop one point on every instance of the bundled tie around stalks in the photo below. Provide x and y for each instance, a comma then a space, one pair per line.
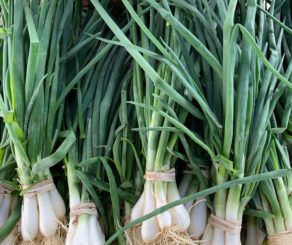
223, 225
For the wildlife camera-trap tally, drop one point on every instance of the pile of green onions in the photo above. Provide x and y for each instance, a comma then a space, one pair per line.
146, 122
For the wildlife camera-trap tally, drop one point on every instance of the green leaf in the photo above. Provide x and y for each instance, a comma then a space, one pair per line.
285, 27
259, 214
137, 158
7, 167
262, 57
126, 196
146, 129
228, 164
192, 39
9, 183
114, 198
56, 157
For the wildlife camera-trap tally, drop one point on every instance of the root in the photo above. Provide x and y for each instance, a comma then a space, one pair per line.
57, 239
36, 241
41, 240
133, 236
169, 236
173, 237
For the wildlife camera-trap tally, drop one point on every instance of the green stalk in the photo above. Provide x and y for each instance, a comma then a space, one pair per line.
228, 102
221, 195
267, 195
74, 194
22, 169
268, 222
284, 202
241, 102
228, 71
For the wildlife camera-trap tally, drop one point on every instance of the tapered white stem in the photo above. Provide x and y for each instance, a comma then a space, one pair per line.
198, 215
5, 209
208, 235
180, 215
164, 219
95, 233
82, 231
58, 203
71, 232
29, 218
150, 227
48, 222
137, 210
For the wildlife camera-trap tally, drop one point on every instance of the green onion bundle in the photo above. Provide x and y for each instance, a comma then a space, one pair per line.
32, 81
93, 116
158, 137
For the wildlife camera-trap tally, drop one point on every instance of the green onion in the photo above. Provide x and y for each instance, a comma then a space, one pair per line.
31, 84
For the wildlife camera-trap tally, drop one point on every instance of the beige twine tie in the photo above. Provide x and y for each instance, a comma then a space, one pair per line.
83, 208
6, 189
166, 176
224, 225
41, 187
281, 238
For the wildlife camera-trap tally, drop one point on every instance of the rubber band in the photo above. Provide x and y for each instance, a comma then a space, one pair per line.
224, 225
83, 208
281, 238
41, 187
165, 176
